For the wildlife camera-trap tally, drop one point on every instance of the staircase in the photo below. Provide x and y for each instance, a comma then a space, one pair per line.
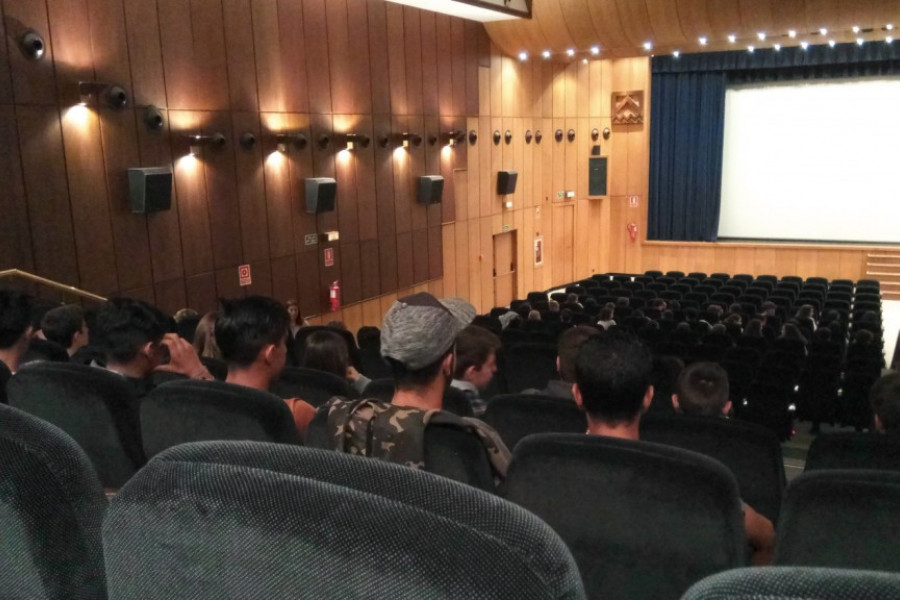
884, 265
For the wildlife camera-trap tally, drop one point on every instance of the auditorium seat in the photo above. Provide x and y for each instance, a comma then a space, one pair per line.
194, 411
515, 416
643, 520
841, 518
51, 510
796, 583
252, 520
311, 385
854, 451
98, 408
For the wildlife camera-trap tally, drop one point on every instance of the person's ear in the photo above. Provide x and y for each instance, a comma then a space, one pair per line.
149, 351
879, 426
726, 410
557, 364
268, 353
648, 398
448, 364
579, 401
675, 404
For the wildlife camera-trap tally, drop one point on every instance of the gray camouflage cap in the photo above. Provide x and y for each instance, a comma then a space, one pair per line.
420, 329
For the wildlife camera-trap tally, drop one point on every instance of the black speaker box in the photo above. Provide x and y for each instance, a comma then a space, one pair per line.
150, 189
431, 189
320, 194
506, 182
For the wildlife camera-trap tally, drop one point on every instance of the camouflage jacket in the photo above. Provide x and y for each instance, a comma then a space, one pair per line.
383, 430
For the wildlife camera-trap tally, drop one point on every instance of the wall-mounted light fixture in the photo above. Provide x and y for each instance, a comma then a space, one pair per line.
507, 136
32, 44
450, 138
153, 118
198, 141
353, 140
323, 141
606, 133
92, 92
558, 135
248, 140
528, 136
288, 140
473, 136
538, 136
496, 137
595, 133
570, 135
407, 138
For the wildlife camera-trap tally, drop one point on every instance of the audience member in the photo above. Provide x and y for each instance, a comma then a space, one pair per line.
327, 351
606, 318
534, 315
133, 337
368, 337
567, 347
476, 363
418, 336
186, 321
297, 322
702, 391
15, 332
252, 334
664, 378
613, 387
205, 337
754, 328
66, 327
790, 331
553, 306
885, 400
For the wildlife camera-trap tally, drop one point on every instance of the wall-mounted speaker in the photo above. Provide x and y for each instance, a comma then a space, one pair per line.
150, 189
506, 182
431, 188
320, 194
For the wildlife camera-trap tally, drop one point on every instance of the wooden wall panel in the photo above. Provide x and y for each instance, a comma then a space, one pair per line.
33, 81
242, 76
315, 28
6, 44
15, 250
281, 58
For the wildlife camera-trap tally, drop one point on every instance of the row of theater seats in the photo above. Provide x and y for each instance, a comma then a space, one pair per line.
618, 519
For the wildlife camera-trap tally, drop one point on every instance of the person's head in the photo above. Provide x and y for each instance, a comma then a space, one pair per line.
418, 336
606, 314
805, 312
368, 337
534, 315
658, 304
567, 347
327, 351
252, 333
336, 325
523, 309
754, 328
553, 306
476, 356
185, 313
612, 378
718, 329
205, 336
65, 326
664, 379
702, 391
15, 322
572, 299
734, 319
863, 337
768, 308
792, 332
129, 332
293, 309
885, 399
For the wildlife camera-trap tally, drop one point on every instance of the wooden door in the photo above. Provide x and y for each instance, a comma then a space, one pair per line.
562, 247
504, 268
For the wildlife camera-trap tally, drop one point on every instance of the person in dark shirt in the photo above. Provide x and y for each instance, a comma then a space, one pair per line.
885, 400
15, 333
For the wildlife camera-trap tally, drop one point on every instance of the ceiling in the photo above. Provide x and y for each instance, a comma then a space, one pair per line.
621, 28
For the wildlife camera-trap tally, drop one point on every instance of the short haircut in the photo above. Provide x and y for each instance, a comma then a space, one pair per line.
885, 399
703, 389
62, 323
664, 379
124, 325
326, 351
474, 345
613, 373
568, 345
409, 379
368, 336
15, 316
246, 325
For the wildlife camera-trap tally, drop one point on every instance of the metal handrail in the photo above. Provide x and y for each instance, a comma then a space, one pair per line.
69, 289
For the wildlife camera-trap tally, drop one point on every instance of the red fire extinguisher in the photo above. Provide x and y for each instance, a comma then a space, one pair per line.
632, 231
334, 296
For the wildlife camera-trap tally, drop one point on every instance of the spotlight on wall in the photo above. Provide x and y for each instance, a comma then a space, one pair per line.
407, 138
558, 135
288, 140
507, 136
606, 133
198, 141
92, 92
248, 140
570, 135
538, 136
153, 118
32, 44
528, 136
496, 137
473, 137
595, 133
352, 141
453, 137
323, 141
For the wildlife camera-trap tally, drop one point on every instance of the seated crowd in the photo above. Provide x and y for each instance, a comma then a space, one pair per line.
431, 348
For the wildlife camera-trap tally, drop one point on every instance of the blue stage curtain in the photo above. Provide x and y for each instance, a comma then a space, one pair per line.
687, 121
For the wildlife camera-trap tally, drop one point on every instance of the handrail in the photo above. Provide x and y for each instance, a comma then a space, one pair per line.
69, 289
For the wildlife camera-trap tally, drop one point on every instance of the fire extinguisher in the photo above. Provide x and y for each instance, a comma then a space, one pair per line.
632, 231
334, 296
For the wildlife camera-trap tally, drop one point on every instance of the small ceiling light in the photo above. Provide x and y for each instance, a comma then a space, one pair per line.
676, 53
860, 41
703, 40
750, 49
545, 54
286, 141
570, 52
889, 27
648, 45
777, 47
32, 44
856, 29
823, 30
804, 44
595, 50
792, 33
523, 56
832, 43
198, 141
889, 39
584, 61
761, 36
732, 38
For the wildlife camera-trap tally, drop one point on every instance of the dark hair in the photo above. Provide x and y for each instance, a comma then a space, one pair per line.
15, 316
123, 325
474, 345
790, 331
664, 380
703, 389
613, 372
568, 345
246, 325
754, 328
326, 351
606, 314
368, 336
62, 323
885, 399
405, 378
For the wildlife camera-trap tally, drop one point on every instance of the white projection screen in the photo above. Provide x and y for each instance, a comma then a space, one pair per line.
813, 161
